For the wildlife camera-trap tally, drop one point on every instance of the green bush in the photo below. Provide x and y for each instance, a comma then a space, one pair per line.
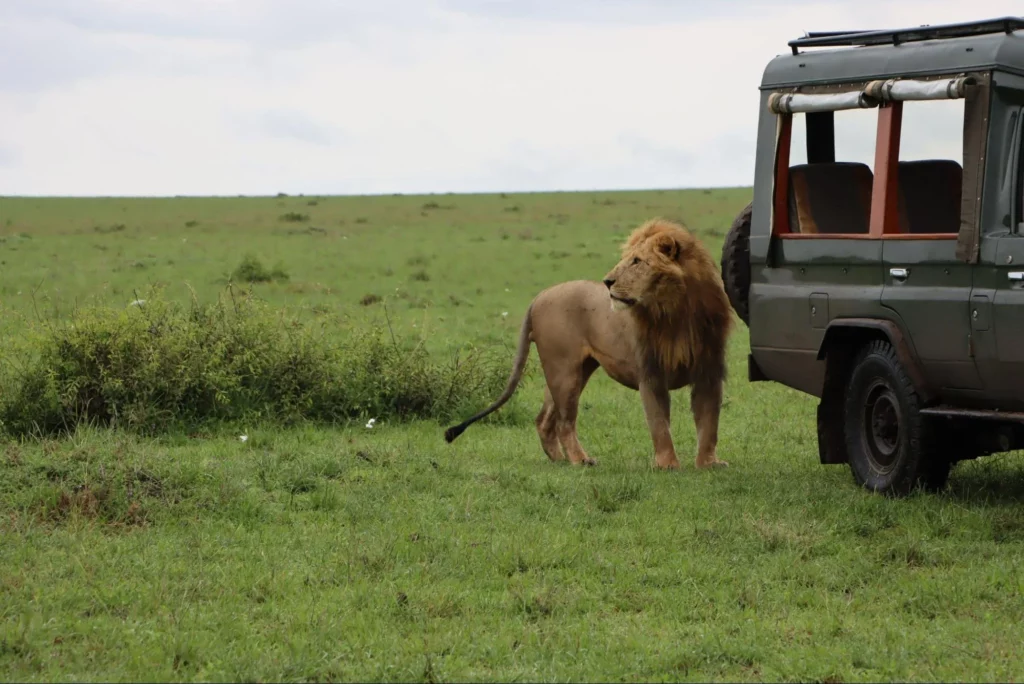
252, 270
162, 366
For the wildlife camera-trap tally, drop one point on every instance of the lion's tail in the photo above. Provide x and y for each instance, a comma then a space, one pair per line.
522, 352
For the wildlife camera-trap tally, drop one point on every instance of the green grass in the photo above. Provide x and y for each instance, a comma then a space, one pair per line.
350, 553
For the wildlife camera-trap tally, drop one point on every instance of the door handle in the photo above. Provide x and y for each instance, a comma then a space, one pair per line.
899, 273
1015, 275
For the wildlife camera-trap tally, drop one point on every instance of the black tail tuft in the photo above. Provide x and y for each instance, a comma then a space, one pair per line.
451, 433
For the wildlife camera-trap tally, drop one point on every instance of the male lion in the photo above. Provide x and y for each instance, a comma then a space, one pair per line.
659, 322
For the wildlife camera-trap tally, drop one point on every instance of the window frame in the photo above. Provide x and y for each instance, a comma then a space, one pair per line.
884, 210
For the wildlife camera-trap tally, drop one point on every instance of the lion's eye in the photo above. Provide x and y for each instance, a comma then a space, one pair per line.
636, 260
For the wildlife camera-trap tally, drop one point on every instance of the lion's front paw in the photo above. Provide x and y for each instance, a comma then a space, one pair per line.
713, 463
667, 463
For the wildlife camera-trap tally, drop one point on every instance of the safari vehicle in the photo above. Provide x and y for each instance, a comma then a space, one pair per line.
891, 286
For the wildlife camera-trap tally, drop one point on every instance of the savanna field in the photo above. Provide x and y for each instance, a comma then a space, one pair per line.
191, 487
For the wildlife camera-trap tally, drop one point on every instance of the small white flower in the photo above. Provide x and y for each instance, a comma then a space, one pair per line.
138, 302
243, 437
506, 289
370, 423
504, 314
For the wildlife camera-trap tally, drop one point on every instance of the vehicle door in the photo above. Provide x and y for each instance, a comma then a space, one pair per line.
997, 301
929, 289
925, 283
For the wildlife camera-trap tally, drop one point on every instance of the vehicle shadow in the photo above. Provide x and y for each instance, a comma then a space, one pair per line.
990, 481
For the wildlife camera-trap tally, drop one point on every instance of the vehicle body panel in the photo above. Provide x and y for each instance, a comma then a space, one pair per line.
933, 301
980, 53
957, 318
809, 284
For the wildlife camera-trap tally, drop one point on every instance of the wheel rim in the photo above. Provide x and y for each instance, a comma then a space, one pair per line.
881, 426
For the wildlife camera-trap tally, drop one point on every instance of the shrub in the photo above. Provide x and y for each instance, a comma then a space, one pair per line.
294, 217
162, 366
252, 270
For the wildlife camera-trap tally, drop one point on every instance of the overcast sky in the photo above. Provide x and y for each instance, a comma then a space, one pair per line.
204, 97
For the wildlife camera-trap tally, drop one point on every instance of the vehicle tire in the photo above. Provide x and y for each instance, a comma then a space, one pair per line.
736, 264
887, 439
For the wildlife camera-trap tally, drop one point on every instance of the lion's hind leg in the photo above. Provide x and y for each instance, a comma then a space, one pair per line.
546, 428
706, 405
566, 385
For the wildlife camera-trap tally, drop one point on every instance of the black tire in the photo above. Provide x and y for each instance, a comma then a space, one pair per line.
736, 264
887, 439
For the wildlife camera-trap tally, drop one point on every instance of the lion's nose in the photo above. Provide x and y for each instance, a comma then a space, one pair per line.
609, 282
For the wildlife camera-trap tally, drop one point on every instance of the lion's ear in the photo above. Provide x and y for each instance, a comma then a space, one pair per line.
669, 246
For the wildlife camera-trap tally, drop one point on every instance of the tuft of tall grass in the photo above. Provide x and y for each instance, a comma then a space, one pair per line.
162, 366
252, 270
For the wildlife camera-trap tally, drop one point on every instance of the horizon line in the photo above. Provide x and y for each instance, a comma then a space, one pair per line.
382, 194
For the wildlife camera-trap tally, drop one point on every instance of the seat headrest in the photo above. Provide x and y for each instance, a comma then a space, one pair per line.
832, 197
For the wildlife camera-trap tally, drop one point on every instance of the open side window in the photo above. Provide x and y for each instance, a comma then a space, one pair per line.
882, 159
824, 172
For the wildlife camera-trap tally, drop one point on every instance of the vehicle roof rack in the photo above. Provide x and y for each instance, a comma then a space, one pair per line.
905, 35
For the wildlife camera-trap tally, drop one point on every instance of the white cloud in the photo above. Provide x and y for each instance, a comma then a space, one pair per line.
229, 97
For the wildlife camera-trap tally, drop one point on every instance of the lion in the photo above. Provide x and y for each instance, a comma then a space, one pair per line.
660, 321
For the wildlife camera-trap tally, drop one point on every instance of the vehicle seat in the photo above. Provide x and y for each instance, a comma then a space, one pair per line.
831, 197
929, 196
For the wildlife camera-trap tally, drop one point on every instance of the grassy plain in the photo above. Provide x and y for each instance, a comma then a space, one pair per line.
349, 553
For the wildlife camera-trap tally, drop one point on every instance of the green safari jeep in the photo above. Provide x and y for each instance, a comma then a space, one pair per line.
891, 286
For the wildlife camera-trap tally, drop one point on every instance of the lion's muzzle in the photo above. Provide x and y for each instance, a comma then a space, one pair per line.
621, 303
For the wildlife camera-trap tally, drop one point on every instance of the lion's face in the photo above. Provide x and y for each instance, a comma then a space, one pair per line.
650, 269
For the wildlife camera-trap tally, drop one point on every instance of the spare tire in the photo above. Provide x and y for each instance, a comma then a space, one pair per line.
736, 264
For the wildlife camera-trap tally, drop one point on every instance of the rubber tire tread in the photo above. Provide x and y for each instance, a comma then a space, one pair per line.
736, 264
878, 358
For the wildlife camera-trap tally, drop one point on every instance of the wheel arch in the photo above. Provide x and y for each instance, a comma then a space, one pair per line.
848, 334
843, 337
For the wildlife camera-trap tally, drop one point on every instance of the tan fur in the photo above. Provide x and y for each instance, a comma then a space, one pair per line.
659, 322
